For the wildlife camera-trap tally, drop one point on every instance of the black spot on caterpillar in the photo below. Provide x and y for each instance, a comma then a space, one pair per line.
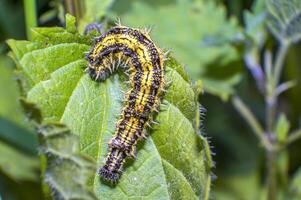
118, 48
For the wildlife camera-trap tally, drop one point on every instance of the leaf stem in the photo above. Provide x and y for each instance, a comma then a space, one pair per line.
245, 112
279, 63
271, 177
294, 136
30, 16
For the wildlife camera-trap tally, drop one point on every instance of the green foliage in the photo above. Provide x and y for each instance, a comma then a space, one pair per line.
173, 159
294, 187
255, 23
198, 34
285, 19
282, 128
94, 11
11, 167
16, 141
67, 172
9, 92
11, 26
282, 18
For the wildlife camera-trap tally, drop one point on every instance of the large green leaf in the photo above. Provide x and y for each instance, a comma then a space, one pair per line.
173, 163
285, 19
198, 33
9, 93
17, 143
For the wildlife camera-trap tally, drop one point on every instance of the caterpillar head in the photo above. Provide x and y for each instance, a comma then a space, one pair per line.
98, 73
97, 69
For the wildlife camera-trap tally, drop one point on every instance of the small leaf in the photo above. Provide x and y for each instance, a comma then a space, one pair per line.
174, 158
255, 33
285, 19
255, 22
70, 23
282, 128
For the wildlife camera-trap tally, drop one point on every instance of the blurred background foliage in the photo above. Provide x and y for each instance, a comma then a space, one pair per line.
211, 38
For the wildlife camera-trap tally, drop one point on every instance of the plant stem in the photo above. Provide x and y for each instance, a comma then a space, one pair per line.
30, 16
271, 99
267, 136
280, 58
251, 120
271, 176
294, 136
75, 8
271, 102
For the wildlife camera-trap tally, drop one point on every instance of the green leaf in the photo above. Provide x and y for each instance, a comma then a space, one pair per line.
9, 93
255, 22
66, 168
285, 19
18, 165
17, 136
17, 143
174, 160
197, 32
282, 128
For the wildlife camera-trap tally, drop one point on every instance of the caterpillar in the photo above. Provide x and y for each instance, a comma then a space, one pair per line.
132, 50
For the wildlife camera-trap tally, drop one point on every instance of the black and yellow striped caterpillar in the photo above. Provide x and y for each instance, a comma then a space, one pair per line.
118, 48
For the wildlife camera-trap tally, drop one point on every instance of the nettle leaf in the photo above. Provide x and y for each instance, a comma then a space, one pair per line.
8, 100
67, 172
16, 139
285, 19
174, 162
198, 33
255, 23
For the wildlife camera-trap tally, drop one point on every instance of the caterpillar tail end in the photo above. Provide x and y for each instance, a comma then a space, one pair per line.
108, 175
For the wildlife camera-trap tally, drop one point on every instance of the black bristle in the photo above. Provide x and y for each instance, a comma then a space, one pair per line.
108, 175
